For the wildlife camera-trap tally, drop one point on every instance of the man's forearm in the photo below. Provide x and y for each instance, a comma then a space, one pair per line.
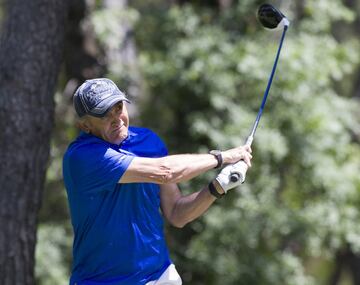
183, 167
190, 207
168, 169
178, 168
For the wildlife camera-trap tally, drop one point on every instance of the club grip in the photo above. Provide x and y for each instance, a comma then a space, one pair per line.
238, 172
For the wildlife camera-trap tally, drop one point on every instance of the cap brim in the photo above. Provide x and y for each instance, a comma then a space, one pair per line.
104, 106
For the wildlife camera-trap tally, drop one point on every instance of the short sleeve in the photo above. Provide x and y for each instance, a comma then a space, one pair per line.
97, 169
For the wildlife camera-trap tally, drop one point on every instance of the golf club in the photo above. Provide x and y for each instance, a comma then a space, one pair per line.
270, 18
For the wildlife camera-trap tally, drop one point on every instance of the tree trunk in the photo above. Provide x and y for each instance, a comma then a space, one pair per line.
346, 259
81, 52
340, 263
125, 54
30, 57
355, 6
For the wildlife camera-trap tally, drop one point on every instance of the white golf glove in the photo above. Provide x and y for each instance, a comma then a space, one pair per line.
231, 176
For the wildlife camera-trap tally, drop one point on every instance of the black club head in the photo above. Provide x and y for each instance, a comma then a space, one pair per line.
269, 16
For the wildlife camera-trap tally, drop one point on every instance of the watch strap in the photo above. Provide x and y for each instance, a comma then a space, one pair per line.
213, 191
217, 154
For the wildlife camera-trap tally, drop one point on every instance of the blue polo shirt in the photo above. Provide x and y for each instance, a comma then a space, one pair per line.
118, 228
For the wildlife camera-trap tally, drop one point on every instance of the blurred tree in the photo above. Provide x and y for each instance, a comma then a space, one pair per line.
30, 52
121, 52
83, 59
85, 56
355, 6
204, 67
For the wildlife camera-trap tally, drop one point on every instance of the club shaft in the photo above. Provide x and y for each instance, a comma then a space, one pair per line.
235, 176
257, 120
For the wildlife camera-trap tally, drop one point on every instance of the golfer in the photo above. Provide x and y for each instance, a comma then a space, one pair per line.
120, 183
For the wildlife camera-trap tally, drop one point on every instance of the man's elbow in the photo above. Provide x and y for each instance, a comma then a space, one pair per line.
178, 222
167, 175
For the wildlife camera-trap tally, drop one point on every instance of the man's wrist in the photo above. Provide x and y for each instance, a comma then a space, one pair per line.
218, 186
218, 155
214, 189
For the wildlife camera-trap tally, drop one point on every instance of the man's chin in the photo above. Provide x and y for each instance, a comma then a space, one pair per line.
121, 137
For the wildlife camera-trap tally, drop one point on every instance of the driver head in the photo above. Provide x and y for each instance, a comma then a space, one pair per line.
270, 17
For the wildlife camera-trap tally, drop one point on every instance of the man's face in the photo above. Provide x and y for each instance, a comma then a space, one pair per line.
113, 127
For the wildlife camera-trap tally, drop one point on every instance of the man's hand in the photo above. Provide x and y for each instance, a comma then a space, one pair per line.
222, 182
238, 153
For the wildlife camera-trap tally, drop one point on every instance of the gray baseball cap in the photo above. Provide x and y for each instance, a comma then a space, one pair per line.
97, 96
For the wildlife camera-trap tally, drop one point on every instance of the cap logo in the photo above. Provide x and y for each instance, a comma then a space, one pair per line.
96, 96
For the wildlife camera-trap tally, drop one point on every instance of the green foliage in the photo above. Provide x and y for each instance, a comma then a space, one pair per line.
110, 28
208, 84
204, 73
106, 25
51, 253
320, 15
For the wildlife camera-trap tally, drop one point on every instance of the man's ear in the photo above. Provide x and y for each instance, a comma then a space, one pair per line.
84, 125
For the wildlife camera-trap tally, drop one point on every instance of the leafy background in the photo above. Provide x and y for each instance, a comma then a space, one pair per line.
201, 71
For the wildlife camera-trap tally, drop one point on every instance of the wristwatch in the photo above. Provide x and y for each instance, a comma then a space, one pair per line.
217, 154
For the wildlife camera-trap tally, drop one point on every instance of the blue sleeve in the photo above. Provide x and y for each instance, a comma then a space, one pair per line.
97, 169
155, 142
161, 146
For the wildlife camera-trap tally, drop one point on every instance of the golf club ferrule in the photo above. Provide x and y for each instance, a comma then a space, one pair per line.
285, 22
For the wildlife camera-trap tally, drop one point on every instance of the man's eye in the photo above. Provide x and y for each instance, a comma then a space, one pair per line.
107, 116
